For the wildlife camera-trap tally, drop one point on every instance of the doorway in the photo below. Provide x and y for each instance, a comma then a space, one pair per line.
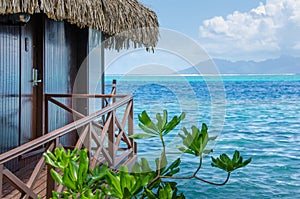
31, 81
20, 101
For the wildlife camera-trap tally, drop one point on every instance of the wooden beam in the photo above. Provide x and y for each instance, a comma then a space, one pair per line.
18, 184
46, 127
111, 138
130, 128
130, 162
38, 169
95, 157
1, 179
122, 157
124, 137
70, 110
127, 113
82, 137
103, 150
87, 95
51, 184
105, 127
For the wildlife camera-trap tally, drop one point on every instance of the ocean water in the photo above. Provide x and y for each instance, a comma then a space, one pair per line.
257, 115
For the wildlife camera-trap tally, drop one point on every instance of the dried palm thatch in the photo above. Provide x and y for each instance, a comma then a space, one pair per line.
125, 21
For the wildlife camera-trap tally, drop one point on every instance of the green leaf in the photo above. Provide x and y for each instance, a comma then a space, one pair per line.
145, 119
172, 172
175, 164
246, 162
148, 130
51, 155
225, 163
208, 151
186, 150
67, 182
194, 142
49, 160
56, 176
173, 123
83, 166
73, 170
150, 194
166, 192
145, 165
172, 168
99, 175
160, 121
136, 168
126, 180
225, 158
114, 184
126, 193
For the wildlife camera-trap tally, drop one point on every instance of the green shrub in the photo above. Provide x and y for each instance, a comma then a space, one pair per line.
71, 169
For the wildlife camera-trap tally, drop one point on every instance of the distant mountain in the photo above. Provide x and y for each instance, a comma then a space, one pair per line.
281, 65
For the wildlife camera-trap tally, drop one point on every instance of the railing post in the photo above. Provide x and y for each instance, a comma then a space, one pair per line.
114, 87
51, 184
1, 179
46, 114
130, 126
114, 90
111, 138
89, 141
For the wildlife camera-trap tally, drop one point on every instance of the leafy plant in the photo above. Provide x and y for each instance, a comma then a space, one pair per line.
229, 165
75, 175
125, 185
72, 170
196, 141
161, 128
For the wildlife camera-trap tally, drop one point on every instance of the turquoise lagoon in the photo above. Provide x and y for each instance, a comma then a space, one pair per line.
256, 114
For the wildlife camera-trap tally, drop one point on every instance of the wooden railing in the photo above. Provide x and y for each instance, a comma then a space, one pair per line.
107, 140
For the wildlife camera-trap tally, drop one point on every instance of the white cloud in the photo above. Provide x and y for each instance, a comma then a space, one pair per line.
269, 30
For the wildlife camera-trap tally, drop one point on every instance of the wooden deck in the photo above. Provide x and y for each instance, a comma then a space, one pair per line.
107, 141
24, 174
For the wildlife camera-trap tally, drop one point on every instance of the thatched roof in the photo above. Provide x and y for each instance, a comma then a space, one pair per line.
128, 20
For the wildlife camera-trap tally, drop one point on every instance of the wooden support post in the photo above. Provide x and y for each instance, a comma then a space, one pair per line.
111, 138
89, 141
51, 184
114, 87
135, 147
114, 90
1, 179
130, 127
46, 114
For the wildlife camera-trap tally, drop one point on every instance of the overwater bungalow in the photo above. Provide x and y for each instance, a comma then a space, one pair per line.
43, 102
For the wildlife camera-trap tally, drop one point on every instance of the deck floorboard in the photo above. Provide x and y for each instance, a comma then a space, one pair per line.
9, 192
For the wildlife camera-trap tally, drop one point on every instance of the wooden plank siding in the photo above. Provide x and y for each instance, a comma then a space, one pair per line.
57, 50
9, 88
64, 49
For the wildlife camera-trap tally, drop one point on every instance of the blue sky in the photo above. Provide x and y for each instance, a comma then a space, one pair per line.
187, 16
228, 29
235, 29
